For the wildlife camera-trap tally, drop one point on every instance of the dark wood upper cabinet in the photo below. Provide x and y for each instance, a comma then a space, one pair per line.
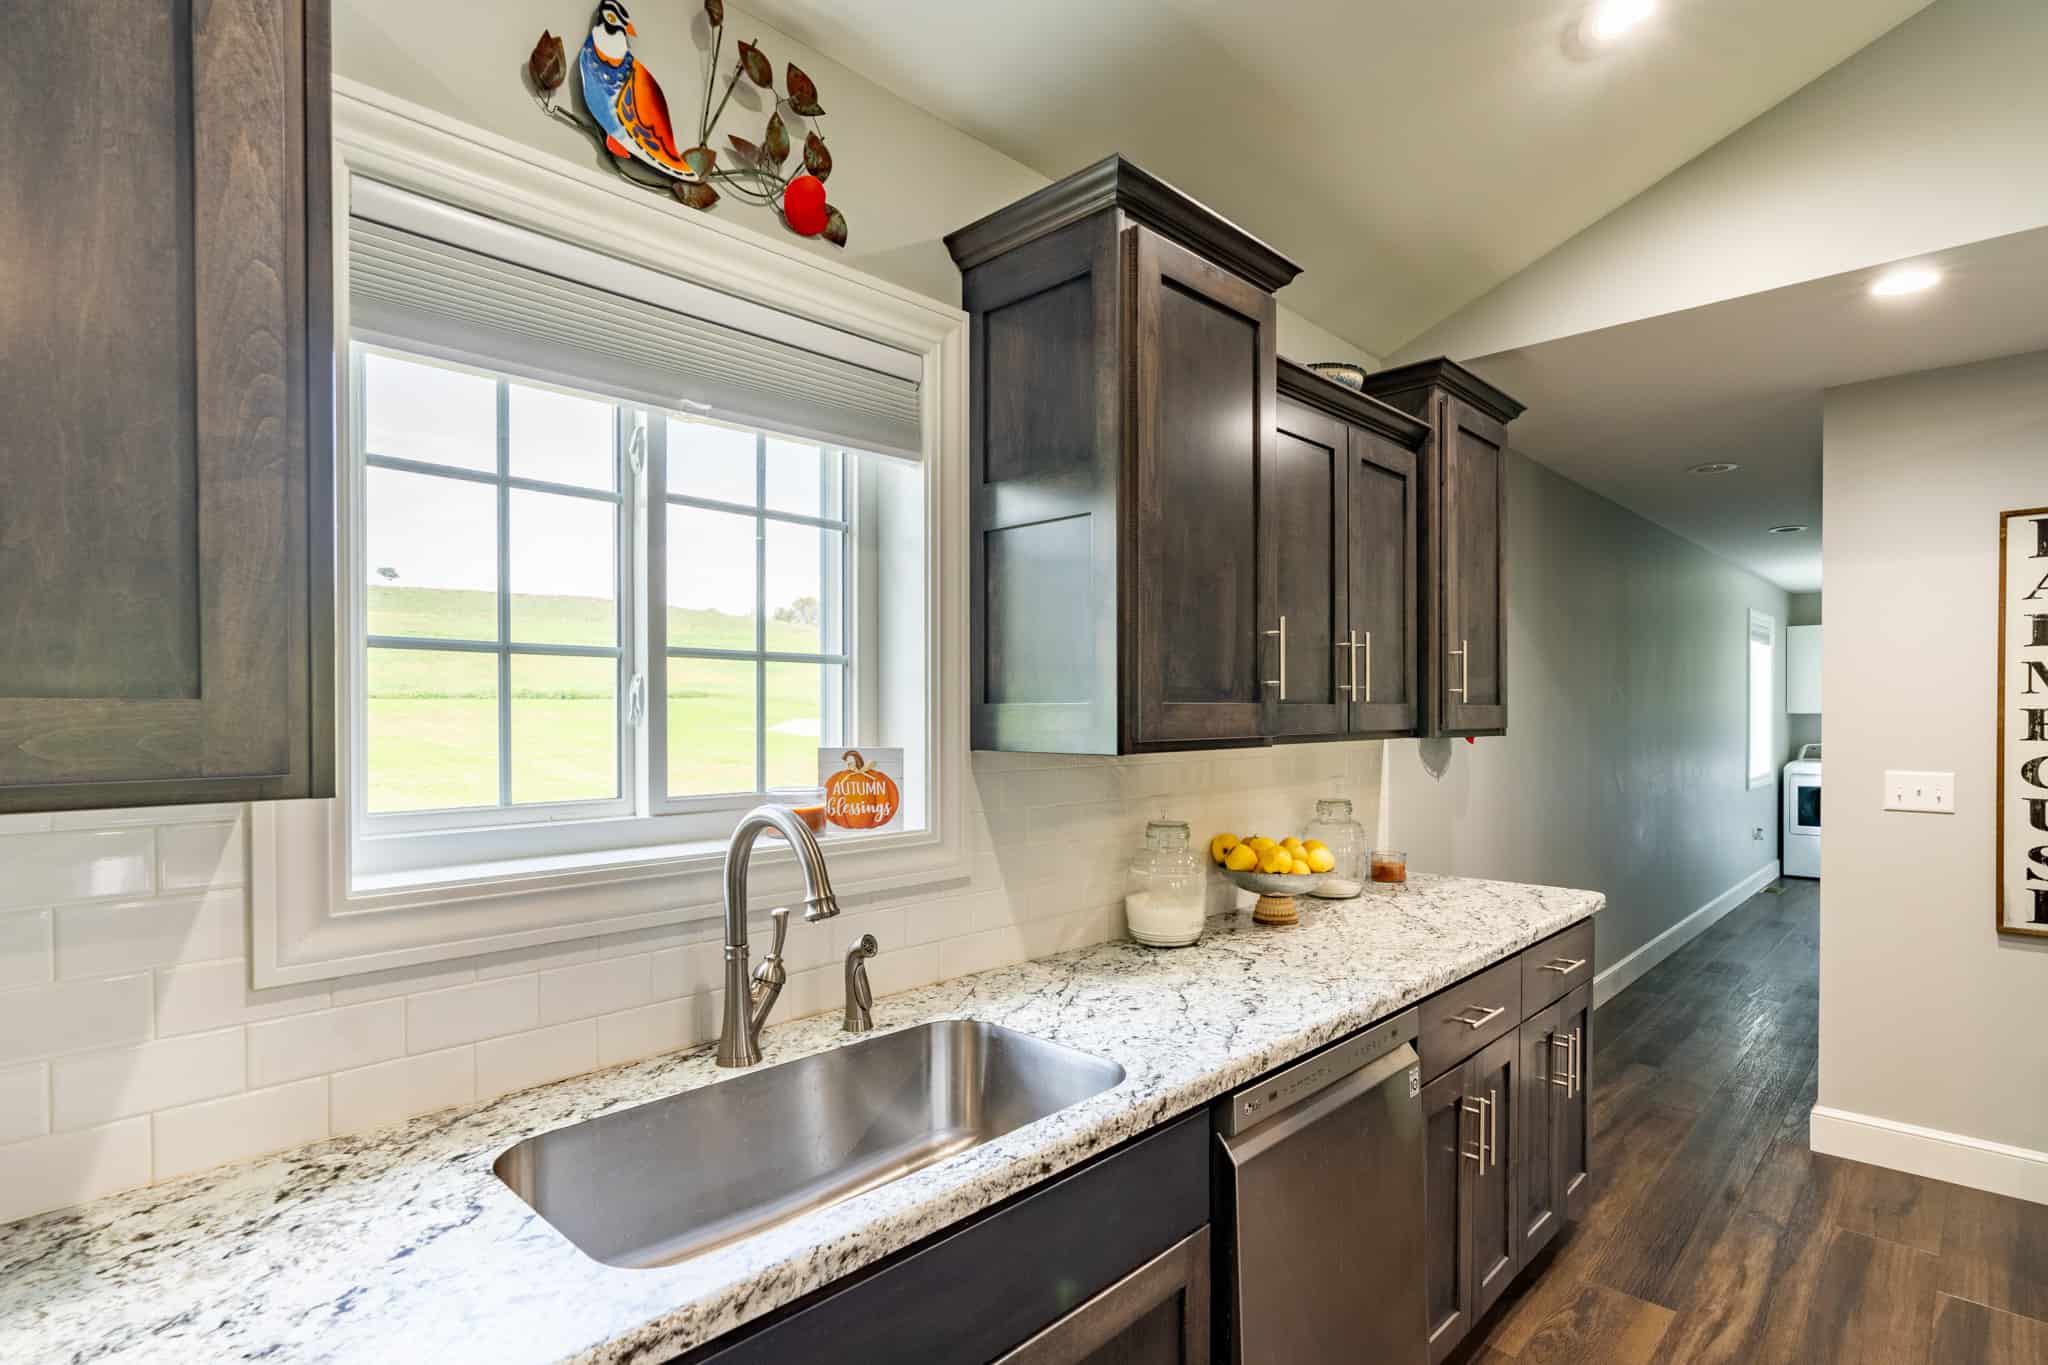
165, 392
1464, 526
1376, 504
1304, 617
1123, 442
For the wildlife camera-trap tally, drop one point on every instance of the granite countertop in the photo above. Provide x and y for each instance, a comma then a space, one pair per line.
402, 1245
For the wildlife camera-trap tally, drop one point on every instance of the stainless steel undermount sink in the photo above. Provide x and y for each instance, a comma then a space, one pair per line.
663, 1181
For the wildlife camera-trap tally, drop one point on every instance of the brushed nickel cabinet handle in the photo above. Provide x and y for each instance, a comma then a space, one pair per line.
1463, 653
1493, 1126
1476, 1108
1368, 665
1563, 966
1281, 681
1563, 1082
1578, 1062
1349, 689
1486, 1016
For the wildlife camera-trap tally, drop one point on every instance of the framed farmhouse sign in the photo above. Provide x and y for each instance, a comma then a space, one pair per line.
2023, 723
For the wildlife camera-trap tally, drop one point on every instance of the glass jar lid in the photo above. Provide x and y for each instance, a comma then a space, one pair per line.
1334, 808
1166, 835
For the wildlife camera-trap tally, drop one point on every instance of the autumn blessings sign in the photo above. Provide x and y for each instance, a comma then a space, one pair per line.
2023, 724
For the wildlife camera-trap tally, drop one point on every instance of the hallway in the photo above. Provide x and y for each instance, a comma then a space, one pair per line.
1714, 1234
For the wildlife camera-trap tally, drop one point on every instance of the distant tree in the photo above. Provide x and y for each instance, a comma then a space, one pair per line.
388, 574
802, 612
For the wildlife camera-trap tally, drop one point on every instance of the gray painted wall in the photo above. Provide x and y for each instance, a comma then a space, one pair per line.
1623, 768
1915, 472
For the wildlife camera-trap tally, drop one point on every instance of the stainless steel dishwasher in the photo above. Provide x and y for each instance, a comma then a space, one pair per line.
1320, 1185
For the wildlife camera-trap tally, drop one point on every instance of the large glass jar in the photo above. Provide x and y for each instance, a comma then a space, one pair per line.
1345, 838
1165, 895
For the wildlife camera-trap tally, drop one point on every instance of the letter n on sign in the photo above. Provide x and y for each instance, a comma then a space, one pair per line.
2022, 722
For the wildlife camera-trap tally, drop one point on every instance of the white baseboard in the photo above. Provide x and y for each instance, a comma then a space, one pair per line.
2019, 1172
1625, 973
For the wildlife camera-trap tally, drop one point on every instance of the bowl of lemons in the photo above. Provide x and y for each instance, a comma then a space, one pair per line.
1277, 870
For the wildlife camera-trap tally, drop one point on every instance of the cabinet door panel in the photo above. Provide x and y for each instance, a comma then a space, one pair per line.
1156, 1315
1471, 448
1450, 1150
156, 578
1574, 1132
1302, 516
1494, 1076
1540, 1198
1203, 424
1384, 557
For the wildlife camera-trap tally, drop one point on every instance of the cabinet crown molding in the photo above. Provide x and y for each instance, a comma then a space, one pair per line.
1451, 377
1304, 385
1114, 183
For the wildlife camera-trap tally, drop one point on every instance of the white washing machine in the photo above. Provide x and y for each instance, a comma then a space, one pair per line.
1802, 814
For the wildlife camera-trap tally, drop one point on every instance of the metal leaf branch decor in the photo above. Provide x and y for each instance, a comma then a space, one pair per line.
627, 115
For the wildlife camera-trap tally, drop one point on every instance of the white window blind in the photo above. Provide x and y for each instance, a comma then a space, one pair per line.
471, 286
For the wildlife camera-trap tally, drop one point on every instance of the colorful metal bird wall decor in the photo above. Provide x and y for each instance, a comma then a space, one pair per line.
627, 115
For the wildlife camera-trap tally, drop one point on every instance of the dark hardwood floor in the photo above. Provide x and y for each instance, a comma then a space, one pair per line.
1714, 1234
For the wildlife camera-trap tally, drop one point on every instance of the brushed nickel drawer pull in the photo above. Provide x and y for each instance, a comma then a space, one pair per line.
1281, 681
1486, 1016
1563, 966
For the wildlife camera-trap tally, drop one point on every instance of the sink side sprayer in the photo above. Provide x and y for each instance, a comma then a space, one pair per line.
749, 997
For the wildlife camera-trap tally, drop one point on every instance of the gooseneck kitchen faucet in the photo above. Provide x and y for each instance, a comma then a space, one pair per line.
749, 997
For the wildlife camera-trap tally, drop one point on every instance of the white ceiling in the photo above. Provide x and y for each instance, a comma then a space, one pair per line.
1410, 154
1627, 410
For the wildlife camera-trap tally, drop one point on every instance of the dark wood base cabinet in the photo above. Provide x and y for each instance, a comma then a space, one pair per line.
1156, 1315
1507, 1128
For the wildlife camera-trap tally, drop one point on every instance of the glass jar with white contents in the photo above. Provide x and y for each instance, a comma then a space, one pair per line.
1345, 838
1167, 889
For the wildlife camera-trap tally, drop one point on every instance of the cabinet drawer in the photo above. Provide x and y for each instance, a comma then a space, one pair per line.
1556, 966
1458, 1022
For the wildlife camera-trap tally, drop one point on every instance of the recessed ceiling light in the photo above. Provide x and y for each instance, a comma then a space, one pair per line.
1714, 467
1909, 279
1789, 530
1609, 19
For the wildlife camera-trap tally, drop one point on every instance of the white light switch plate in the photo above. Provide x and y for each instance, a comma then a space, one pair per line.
1934, 793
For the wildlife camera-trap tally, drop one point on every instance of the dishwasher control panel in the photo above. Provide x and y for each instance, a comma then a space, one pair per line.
1251, 1106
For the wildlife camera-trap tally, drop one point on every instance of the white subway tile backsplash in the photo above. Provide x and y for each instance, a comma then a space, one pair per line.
70, 1168
73, 1016
215, 995
372, 1096
387, 985
200, 855
463, 1014
104, 938
99, 1087
528, 1059
326, 1040
662, 1027
73, 866
25, 958
123, 988
24, 1102
593, 988
198, 1136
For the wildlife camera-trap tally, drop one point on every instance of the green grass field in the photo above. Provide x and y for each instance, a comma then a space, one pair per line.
433, 716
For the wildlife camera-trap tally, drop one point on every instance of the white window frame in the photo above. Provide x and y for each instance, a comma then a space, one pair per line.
309, 920
1768, 773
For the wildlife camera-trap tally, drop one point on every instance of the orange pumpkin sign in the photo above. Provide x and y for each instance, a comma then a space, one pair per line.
860, 795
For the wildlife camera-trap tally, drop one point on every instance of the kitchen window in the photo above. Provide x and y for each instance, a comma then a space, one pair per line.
636, 515
1763, 685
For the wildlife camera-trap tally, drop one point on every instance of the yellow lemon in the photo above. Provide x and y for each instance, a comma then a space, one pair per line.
1300, 867
1262, 843
1220, 846
1243, 858
1320, 860
1292, 845
1276, 860
1313, 844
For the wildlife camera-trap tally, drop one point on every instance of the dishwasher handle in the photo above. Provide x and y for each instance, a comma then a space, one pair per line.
1249, 1144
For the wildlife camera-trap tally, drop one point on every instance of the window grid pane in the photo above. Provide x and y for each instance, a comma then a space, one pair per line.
799, 532
429, 749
